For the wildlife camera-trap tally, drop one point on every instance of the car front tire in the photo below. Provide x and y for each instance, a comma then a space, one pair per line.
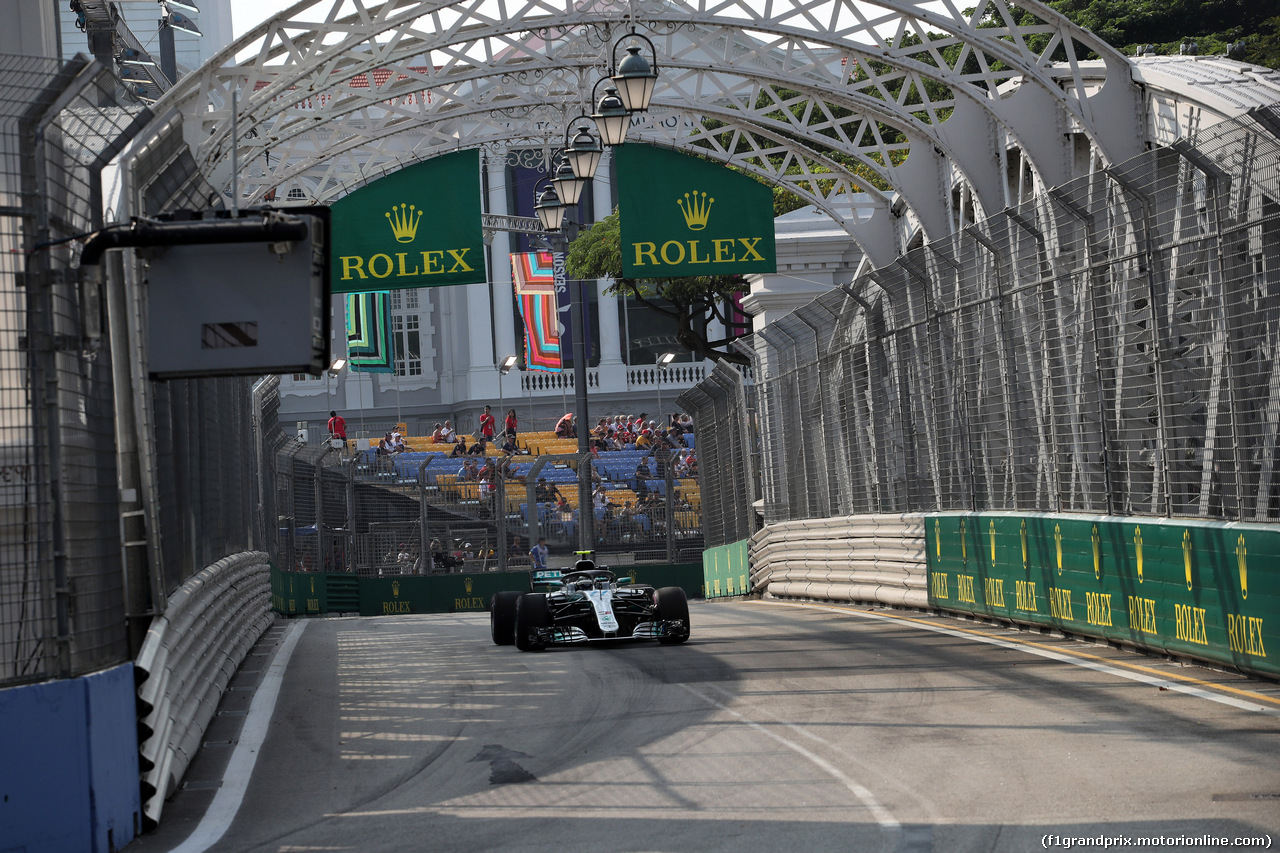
502, 617
669, 604
532, 613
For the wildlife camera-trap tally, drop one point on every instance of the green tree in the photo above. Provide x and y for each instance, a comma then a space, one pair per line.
692, 302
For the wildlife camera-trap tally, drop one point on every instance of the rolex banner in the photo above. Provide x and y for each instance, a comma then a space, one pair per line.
418, 227
682, 216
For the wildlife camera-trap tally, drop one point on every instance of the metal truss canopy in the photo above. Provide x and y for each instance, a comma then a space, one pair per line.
847, 103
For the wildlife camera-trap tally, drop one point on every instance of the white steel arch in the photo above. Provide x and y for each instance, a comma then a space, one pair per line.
829, 97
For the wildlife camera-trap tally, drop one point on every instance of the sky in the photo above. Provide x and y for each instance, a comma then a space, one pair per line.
247, 14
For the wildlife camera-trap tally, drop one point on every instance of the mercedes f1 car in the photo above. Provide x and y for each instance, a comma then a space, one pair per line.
586, 605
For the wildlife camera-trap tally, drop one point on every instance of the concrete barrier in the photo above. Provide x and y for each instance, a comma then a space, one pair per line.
868, 558
69, 764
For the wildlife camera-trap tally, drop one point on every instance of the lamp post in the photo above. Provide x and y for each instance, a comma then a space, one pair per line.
504, 367
551, 214
631, 83
663, 362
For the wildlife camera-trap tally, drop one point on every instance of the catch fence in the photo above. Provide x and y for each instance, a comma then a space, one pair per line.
428, 512
1109, 346
114, 489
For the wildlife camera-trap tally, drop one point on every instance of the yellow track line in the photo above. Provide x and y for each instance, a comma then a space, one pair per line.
1257, 697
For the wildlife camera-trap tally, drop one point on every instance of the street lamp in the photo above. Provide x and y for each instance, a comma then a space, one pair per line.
583, 152
504, 367
663, 362
549, 210
568, 185
636, 76
612, 117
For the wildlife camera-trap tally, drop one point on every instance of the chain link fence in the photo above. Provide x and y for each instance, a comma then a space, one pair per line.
61, 586
723, 410
1109, 346
114, 489
430, 511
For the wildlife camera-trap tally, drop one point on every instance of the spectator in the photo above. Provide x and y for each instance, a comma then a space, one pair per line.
682, 467
564, 427
468, 471
545, 492
538, 555
337, 427
509, 447
477, 449
511, 424
643, 472
437, 436
459, 450
397, 443
643, 440
565, 510
447, 432
487, 426
600, 498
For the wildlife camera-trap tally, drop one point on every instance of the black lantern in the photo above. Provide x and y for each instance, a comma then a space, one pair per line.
636, 77
568, 185
549, 209
612, 118
583, 152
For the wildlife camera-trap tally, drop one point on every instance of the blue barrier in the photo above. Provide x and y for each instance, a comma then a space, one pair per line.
69, 764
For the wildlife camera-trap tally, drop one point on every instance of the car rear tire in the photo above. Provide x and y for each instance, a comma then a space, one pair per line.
502, 617
669, 604
532, 613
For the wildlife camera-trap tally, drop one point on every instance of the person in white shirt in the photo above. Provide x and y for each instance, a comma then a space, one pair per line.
447, 433
538, 555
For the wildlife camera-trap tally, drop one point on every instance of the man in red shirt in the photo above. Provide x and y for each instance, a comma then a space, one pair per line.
487, 426
337, 426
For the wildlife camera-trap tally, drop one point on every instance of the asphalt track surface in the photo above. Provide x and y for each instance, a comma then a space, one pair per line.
776, 727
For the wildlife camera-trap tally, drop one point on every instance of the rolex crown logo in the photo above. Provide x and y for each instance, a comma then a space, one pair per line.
467, 584
404, 224
696, 208
395, 589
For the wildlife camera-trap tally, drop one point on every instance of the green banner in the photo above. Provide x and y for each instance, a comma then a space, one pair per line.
418, 227
316, 593
725, 569
683, 216
1184, 587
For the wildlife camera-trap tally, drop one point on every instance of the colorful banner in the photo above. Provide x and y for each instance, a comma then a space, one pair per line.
418, 227
370, 346
683, 216
534, 280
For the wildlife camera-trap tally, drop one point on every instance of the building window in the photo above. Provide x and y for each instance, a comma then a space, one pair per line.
404, 327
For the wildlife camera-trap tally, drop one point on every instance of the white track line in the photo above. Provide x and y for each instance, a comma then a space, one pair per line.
882, 815
235, 779
1119, 672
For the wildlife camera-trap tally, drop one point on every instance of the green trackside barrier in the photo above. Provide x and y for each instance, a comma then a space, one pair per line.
462, 593
1208, 590
687, 576
725, 569
313, 593
316, 593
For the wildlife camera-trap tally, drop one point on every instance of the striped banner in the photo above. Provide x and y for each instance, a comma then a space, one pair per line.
370, 347
533, 276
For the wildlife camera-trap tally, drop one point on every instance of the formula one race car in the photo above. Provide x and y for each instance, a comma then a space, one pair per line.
585, 605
